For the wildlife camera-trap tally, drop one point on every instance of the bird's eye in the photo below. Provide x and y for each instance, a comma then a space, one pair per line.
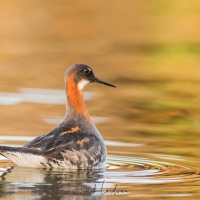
88, 71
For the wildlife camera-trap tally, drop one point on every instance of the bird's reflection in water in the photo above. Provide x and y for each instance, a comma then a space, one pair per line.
27, 183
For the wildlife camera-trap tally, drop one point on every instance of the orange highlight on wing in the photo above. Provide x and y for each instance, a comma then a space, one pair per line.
85, 140
72, 130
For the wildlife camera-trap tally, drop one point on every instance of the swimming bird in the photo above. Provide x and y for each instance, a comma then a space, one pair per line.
75, 143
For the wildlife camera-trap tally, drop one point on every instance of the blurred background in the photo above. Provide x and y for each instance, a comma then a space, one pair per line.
149, 49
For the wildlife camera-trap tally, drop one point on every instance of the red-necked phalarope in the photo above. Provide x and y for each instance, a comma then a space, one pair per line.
75, 143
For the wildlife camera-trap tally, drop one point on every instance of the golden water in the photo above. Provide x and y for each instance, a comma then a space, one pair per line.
150, 122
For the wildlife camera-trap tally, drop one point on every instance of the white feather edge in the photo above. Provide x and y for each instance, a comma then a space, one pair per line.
37, 161
25, 159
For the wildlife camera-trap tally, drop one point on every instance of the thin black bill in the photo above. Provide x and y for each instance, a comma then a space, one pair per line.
103, 82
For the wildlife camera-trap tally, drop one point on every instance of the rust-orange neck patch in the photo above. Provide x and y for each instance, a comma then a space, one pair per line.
75, 97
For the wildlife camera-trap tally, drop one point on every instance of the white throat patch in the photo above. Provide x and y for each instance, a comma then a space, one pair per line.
82, 84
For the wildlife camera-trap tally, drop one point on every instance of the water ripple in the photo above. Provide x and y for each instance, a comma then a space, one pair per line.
131, 169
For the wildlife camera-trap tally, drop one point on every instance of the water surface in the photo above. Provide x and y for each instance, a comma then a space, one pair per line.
150, 122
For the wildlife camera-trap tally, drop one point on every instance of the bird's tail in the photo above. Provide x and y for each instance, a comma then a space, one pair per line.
20, 149
22, 156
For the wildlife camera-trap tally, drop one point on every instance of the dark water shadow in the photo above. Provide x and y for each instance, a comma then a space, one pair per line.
24, 183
